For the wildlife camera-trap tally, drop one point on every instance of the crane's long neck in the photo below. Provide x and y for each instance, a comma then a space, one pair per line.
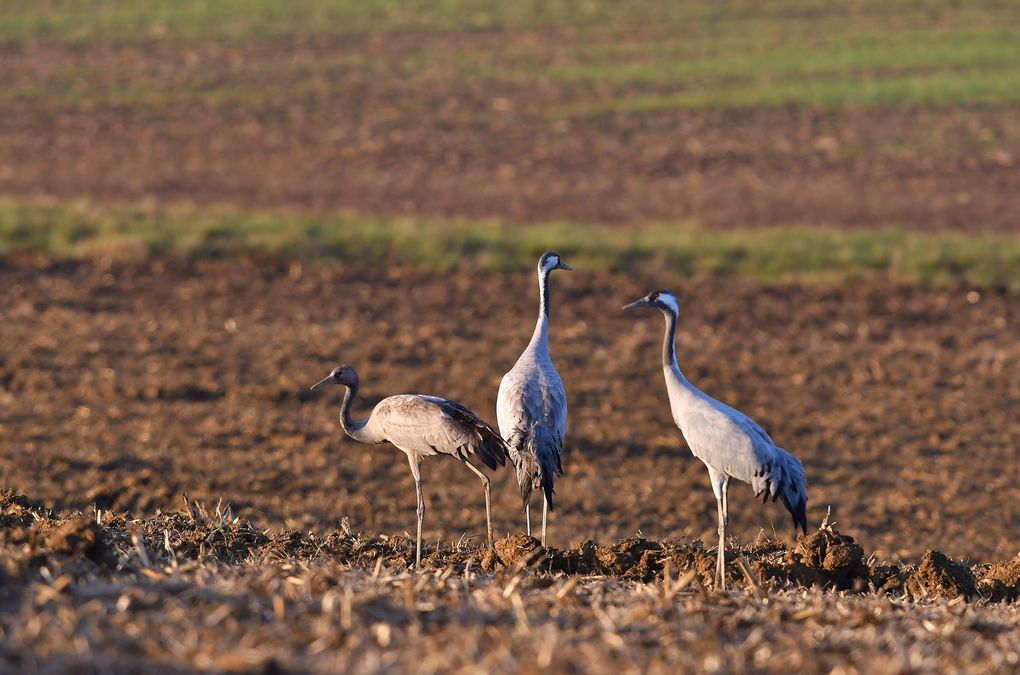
669, 363
354, 428
540, 338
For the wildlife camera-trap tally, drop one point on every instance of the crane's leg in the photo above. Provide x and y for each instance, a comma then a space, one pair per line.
527, 517
725, 522
416, 471
720, 482
421, 518
545, 516
488, 507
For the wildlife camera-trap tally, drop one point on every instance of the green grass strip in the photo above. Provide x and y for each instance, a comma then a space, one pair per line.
806, 254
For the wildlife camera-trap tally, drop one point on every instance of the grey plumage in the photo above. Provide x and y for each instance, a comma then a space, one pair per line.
730, 443
531, 407
421, 426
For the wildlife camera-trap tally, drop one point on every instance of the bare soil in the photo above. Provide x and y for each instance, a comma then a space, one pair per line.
124, 386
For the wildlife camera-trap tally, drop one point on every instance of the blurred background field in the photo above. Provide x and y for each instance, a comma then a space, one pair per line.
659, 55
335, 128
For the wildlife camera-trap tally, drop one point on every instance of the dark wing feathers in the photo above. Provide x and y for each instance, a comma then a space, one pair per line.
798, 510
483, 441
434, 425
782, 477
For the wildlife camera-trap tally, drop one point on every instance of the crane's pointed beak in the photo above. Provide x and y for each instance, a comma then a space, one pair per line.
325, 380
643, 302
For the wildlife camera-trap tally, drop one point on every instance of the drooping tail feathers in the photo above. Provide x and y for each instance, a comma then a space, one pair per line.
798, 510
784, 479
489, 448
536, 457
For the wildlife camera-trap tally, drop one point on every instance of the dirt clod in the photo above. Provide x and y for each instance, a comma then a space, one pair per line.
939, 576
490, 561
1001, 581
518, 550
827, 558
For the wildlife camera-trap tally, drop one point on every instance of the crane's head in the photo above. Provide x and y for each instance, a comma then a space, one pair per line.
661, 299
343, 375
551, 261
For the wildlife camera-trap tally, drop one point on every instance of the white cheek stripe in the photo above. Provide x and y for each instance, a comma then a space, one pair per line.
669, 301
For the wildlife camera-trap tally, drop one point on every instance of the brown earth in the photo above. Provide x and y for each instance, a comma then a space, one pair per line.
293, 124
124, 387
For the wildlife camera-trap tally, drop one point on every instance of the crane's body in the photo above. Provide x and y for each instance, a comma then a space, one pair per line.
531, 408
730, 443
421, 426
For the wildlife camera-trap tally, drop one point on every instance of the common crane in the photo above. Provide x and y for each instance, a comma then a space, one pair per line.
421, 426
730, 443
531, 408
